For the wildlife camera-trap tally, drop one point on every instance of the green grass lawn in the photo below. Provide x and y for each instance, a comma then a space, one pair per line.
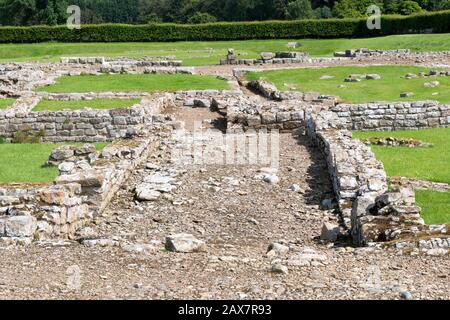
135, 82
105, 104
23, 163
5, 103
435, 206
388, 88
428, 163
207, 53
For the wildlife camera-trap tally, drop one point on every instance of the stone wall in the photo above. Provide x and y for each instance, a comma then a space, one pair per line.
42, 212
205, 98
91, 95
268, 58
78, 195
394, 116
123, 61
102, 178
382, 116
89, 125
245, 113
270, 91
137, 69
399, 54
363, 52
353, 168
373, 213
386, 217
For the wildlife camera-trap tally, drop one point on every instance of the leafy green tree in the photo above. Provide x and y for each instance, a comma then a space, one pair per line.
353, 8
323, 12
17, 12
409, 7
404, 7
153, 18
201, 17
300, 9
434, 5
391, 6
29, 12
51, 12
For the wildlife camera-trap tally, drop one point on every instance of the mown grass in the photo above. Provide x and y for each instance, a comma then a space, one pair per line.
388, 88
427, 163
135, 83
207, 53
435, 206
104, 104
5, 103
24, 163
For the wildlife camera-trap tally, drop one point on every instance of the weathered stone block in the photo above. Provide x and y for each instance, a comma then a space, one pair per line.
19, 226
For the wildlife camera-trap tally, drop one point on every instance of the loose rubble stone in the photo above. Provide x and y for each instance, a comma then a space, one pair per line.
276, 249
141, 248
184, 242
406, 295
106, 242
18, 226
279, 268
145, 194
373, 76
328, 204
307, 257
432, 84
295, 188
293, 45
330, 232
271, 178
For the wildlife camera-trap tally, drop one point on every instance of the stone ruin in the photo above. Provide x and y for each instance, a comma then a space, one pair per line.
364, 52
89, 179
287, 57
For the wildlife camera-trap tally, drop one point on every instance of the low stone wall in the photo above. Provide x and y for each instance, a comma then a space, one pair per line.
373, 213
21, 77
139, 69
363, 52
352, 166
89, 125
250, 62
399, 54
43, 212
270, 91
77, 197
170, 70
386, 217
393, 116
92, 125
123, 61
272, 58
23, 104
244, 114
204, 98
382, 116
100, 180
92, 95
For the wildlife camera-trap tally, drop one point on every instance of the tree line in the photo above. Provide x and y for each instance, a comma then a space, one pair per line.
52, 12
